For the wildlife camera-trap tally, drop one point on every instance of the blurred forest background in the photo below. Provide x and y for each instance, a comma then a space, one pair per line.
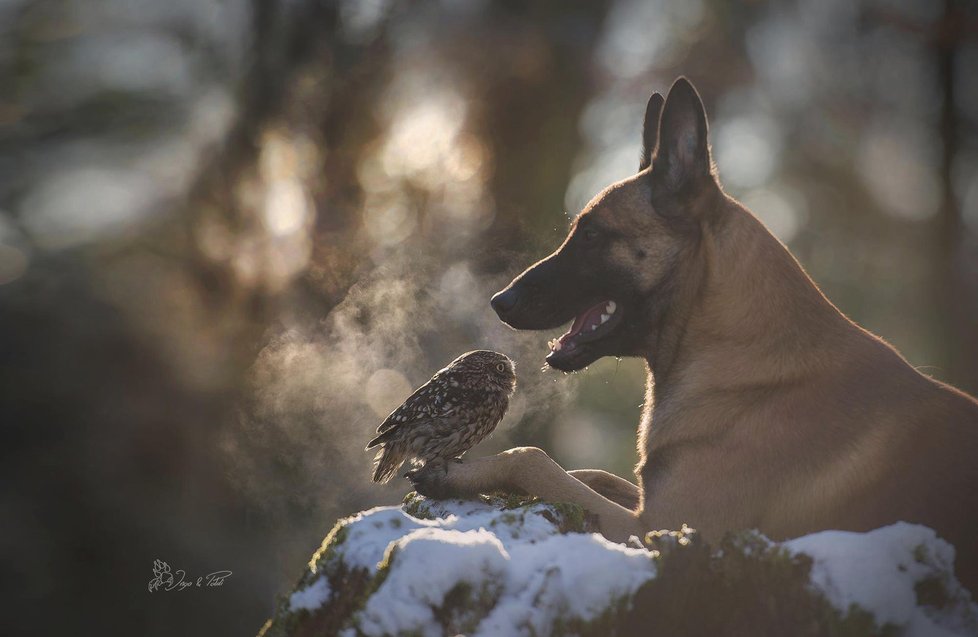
235, 233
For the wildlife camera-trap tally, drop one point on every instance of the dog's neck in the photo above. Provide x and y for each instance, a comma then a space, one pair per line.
743, 313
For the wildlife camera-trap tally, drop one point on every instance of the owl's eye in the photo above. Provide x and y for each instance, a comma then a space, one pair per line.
500, 367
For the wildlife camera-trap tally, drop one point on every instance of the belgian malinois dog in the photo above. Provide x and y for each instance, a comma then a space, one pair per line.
766, 407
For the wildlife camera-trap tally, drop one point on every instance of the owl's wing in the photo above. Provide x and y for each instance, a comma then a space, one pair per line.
436, 398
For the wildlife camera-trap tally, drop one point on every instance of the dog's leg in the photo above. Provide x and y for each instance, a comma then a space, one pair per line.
531, 471
610, 486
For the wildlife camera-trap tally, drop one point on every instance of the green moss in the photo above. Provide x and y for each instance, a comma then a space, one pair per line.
510, 518
282, 623
572, 518
568, 518
351, 590
607, 624
506, 501
350, 587
416, 506
336, 537
666, 540
465, 606
748, 586
385, 563
920, 554
932, 592
383, 571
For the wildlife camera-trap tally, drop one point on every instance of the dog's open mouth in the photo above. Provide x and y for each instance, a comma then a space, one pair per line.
590, 325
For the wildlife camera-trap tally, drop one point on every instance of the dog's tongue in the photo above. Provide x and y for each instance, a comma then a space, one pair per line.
587, 320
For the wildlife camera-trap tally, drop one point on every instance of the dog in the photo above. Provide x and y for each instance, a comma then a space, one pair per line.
766, 407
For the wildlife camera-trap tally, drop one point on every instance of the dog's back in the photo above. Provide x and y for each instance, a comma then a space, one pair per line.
930, 474
931, 471
779, 413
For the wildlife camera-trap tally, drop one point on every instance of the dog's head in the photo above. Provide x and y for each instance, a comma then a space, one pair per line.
627, 251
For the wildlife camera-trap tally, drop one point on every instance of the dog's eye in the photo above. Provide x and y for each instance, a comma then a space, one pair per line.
590, 234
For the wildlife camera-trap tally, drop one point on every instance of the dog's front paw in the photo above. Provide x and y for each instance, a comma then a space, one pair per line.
431, 481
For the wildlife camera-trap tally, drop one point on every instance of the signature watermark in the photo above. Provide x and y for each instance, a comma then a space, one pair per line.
165, 579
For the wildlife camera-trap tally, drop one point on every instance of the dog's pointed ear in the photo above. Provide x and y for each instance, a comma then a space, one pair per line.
682, 156
650, 130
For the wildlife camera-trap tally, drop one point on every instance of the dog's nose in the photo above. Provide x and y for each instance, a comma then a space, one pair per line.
504, 301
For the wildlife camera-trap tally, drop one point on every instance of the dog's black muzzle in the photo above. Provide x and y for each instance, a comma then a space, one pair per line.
504, 301
514, 306
537, 299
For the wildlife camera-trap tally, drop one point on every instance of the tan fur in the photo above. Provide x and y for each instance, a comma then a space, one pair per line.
766, 407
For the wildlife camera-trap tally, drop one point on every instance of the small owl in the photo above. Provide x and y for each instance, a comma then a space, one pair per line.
448, 415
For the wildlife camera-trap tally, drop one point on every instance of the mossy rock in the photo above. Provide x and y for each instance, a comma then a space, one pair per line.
350, 589
568, 518
416, 505
745, 585
465, 606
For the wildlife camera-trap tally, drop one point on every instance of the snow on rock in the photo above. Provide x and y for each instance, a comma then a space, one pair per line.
880, 571
430, 563
507, 567
512, 558
370, 533
311, 597
578, 575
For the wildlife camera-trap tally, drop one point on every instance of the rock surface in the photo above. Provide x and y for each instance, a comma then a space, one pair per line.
504, 566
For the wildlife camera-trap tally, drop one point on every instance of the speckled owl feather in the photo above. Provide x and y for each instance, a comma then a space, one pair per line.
448, 415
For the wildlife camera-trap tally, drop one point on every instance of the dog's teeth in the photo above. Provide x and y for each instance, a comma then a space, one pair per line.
594, 327
604, 318
610, 308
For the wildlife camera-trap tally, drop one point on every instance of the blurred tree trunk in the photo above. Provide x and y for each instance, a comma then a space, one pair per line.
954, 290
532, 114
957, 291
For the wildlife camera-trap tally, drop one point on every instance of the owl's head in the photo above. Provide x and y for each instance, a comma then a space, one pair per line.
482, 366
